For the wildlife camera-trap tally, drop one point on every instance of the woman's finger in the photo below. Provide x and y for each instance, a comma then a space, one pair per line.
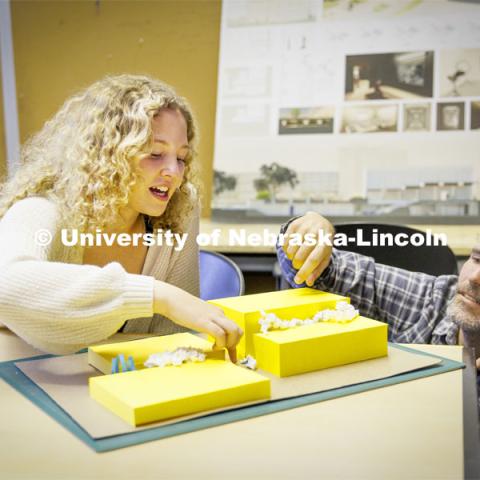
217, 332
232, 330
232, 353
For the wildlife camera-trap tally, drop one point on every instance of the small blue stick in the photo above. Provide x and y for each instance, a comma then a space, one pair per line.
115, 365
131, 365
121, 358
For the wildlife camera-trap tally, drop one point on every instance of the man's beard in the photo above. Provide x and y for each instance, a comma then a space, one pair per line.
464, 314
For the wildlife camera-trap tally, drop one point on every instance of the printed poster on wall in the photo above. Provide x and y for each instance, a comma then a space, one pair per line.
364, 109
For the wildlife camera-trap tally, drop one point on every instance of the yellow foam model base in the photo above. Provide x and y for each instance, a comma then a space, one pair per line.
159, 393
298, 302
101, 356
320, 345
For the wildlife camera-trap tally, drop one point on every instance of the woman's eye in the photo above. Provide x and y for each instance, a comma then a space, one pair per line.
181, 160
156, 155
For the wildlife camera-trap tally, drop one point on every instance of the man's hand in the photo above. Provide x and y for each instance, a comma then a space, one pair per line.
309, 260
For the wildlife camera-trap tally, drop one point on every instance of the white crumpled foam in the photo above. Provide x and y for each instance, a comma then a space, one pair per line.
344, 312
248, 362
177, 357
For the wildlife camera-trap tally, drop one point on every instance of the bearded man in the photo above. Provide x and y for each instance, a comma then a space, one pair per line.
418, 308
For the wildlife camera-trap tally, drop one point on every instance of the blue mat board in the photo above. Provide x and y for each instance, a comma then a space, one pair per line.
20, 382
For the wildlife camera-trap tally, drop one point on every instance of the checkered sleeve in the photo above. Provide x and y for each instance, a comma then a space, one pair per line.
413, 304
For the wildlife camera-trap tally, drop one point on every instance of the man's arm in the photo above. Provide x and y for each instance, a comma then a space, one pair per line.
413, 304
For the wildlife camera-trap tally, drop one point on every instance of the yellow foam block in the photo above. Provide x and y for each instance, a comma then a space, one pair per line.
298, 302
101, 356
154, 394
320, 345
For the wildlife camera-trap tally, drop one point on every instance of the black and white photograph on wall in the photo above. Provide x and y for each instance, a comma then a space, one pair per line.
460, 72
306, 120
450, 116
475, 115
417, 117
368, 118
383, 76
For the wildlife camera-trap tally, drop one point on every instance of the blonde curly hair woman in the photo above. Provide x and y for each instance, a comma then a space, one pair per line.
119, 157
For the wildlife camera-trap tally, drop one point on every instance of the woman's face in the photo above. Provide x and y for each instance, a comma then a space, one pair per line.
161, 172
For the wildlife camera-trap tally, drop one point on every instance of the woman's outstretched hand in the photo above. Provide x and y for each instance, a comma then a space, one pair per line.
191, 312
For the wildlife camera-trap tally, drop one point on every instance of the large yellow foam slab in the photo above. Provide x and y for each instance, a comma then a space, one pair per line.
154, 394
298, 302
101, 356
320, 345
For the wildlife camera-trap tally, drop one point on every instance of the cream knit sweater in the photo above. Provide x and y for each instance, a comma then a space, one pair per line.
58, 305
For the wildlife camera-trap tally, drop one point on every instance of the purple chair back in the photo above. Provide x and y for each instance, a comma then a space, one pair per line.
220, 277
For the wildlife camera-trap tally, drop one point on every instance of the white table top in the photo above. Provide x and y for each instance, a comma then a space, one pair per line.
409, 430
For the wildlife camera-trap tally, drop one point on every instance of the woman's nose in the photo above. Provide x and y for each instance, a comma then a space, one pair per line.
170, 166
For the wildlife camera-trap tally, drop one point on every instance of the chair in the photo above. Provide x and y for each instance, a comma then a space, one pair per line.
434, 260
220, 277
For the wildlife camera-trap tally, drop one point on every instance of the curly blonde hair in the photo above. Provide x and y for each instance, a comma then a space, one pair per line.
82, 157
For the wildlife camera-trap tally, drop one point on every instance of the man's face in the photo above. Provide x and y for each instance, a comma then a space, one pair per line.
465, 307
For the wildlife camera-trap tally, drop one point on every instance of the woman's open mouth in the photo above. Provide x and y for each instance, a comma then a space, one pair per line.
161, 193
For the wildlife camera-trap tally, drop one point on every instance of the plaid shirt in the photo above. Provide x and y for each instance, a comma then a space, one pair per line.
413, 304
